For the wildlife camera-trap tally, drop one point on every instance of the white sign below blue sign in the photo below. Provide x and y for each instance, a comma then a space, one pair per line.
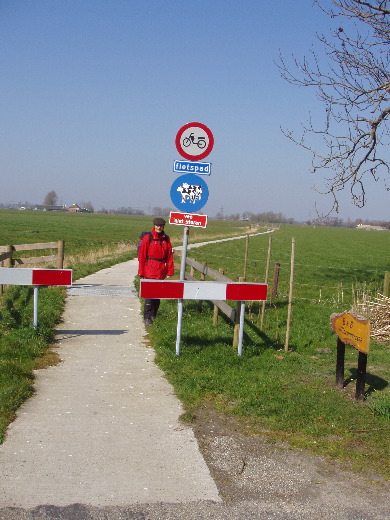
192, 167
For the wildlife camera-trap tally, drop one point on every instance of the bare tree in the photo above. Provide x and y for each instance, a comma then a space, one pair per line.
353, 83
164, 212
50, 199
86, 206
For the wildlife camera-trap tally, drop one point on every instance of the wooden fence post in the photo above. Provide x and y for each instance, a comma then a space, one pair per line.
266, 280
237, 320
361, 376
246, 257
216, 310
386, 285
290, 295
340, 363
8, 261
275, 282
203, 278
60, 254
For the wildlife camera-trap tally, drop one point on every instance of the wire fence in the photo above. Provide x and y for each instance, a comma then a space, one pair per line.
312, 282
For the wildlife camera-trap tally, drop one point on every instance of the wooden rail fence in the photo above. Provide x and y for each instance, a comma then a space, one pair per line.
214, 275
8, 259
232, 314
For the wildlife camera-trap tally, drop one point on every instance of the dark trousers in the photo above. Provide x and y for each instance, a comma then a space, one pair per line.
150, 308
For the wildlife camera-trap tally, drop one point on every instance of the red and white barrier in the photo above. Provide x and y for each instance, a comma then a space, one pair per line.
203, 290
35, 277
26, 276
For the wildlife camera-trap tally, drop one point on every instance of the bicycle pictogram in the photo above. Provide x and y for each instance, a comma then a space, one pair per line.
201, 142
194, 141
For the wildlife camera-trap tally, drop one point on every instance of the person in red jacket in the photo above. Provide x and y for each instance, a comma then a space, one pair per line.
155, 260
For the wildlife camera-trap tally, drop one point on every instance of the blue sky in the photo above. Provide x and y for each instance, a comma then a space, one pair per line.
93, 92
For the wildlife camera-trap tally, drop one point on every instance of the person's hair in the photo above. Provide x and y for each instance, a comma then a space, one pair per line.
159, 221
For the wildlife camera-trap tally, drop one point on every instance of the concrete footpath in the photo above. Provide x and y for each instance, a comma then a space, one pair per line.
103, 427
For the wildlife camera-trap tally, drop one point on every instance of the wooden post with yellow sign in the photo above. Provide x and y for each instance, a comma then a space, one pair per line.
351, 330
340, 363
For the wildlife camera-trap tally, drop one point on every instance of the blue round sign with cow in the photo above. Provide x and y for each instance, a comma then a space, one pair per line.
189, 193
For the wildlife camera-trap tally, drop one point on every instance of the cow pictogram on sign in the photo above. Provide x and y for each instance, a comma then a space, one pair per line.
189, 193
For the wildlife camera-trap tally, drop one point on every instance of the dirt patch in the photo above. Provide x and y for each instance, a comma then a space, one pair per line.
251, 467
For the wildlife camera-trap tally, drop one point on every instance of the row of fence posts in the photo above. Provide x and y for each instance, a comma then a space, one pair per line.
275, 284
272, 295
274, 289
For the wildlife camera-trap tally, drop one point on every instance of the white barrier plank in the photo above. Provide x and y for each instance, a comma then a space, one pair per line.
9, 276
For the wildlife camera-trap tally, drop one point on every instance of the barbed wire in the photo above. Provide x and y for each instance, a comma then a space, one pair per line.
371, 270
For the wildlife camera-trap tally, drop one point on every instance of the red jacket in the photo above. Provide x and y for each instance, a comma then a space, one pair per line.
155, 256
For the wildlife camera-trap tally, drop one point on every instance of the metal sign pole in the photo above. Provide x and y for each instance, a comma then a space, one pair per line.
182, 278
241, 331
35, 322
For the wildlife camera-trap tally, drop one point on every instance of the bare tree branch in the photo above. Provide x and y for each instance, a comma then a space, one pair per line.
353, 84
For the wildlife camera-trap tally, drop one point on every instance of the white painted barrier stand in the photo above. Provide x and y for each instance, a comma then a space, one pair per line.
194, 290
36, 277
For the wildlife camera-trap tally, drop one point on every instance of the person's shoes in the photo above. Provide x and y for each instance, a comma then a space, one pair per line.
148, 323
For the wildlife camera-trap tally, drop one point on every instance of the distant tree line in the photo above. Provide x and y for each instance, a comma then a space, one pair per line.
266, 217
122, 211
269, 217
339, 222
128, 210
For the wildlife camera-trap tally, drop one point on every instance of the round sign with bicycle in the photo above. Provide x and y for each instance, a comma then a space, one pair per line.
194, 141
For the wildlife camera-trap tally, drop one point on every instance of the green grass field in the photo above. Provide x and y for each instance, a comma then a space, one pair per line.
285, 395
85, 232
289, 395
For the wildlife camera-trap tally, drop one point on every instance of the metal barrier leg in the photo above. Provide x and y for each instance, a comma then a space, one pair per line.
36, 290
241, 332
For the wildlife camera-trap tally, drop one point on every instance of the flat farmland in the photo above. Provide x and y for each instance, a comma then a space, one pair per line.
284, 395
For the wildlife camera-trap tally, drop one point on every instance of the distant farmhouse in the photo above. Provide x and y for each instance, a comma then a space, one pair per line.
41, 207
74, 208
371, 228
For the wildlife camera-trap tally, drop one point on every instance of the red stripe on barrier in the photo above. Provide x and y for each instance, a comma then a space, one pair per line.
52, 277
246, 292
161, 289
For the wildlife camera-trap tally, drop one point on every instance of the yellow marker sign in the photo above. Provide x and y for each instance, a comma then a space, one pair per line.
352, 330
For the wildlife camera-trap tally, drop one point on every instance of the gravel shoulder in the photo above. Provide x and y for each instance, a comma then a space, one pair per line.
251, 467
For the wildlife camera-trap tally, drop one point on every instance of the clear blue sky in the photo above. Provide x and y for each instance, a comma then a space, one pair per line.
93, 92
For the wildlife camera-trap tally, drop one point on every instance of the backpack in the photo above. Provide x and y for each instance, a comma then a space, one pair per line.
143, 233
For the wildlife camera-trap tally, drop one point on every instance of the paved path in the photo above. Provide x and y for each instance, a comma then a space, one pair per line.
103, 427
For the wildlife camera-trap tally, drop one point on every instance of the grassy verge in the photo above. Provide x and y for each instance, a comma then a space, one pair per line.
289, 396
21, 346
24, 349
286, 396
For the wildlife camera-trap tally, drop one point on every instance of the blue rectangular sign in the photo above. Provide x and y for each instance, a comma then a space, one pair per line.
192, 167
